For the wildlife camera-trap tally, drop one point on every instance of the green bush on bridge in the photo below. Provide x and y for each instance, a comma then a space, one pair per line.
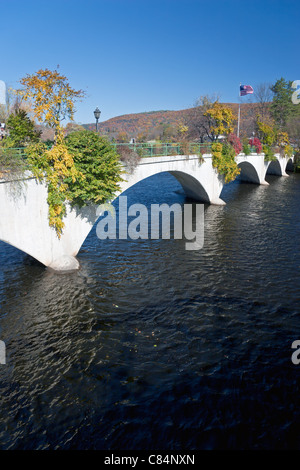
97, 161
81, 169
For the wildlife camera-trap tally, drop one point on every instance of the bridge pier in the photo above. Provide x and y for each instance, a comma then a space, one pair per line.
64, 263
24, 224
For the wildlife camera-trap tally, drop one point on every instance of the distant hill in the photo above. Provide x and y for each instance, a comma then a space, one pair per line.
152, 123
134, 124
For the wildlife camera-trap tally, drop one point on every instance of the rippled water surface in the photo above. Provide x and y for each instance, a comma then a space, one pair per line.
150, 346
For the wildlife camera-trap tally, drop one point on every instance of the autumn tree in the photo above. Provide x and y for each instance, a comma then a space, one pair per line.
53, 100
266, 130
219, 121
52, 97
142, 136
182, 131
209, 119
122, 137
196, 121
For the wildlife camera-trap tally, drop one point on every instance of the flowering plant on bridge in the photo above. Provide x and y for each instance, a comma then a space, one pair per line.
266, 131
223, 159
55, 166
269, 154
284, 143
81, 169
288, 150
235, 142
256, 143
282, 138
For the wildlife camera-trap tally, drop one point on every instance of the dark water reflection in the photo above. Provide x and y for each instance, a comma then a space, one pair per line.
150, 346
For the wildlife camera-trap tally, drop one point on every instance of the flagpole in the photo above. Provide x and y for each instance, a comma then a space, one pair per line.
239, 113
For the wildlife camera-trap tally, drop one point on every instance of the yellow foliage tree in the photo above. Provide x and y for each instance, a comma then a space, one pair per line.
282, 138
266, 131
52, 101
223, 159
270, 135
284, 142
182, 131
220, 120
51, 96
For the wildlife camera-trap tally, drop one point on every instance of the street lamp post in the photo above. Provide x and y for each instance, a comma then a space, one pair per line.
97, 113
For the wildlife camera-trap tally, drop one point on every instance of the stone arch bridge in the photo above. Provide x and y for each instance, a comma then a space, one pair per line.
24, 213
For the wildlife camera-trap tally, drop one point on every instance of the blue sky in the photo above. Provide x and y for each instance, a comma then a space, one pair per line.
141, 55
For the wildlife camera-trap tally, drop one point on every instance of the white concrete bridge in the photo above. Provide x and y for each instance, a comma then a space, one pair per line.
24, 214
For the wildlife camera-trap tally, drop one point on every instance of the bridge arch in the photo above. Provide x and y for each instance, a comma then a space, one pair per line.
191, 186
274, 168
248, 172
289, 165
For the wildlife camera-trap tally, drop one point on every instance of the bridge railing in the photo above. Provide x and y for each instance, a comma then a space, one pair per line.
17, 152
13, 163
151, 149
144, 150
155, 149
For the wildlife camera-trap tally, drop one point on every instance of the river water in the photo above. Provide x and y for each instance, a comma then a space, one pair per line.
149, 346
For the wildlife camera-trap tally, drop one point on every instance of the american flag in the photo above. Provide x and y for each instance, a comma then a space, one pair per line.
245, 90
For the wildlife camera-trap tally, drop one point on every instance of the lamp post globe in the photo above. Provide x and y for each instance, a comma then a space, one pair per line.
97, 113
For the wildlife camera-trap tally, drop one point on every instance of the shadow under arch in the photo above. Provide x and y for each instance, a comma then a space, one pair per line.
141, 192
274, 168
31, 258
190, 185
289, 165
248, 173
